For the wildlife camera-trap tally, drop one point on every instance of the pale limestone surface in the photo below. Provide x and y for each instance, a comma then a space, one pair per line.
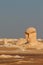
21, 41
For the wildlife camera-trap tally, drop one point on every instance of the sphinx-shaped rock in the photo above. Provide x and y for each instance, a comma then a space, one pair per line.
31, 37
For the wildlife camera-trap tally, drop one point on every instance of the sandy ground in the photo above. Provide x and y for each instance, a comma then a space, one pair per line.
17, 57
21, 60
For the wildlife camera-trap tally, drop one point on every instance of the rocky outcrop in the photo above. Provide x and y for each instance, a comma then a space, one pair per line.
30, 41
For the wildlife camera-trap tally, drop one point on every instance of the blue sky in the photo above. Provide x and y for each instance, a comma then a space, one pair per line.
17, 15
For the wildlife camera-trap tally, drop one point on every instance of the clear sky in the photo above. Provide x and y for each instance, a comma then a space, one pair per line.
17, 15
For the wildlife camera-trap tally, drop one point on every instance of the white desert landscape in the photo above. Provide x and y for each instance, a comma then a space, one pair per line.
28, 50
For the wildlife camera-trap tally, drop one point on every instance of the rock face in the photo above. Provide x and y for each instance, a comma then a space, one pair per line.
21, 41
31, 33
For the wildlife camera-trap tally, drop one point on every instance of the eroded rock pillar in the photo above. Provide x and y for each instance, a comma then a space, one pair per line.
31, 36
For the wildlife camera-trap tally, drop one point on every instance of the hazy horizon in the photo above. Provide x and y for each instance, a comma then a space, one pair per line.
17, 15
